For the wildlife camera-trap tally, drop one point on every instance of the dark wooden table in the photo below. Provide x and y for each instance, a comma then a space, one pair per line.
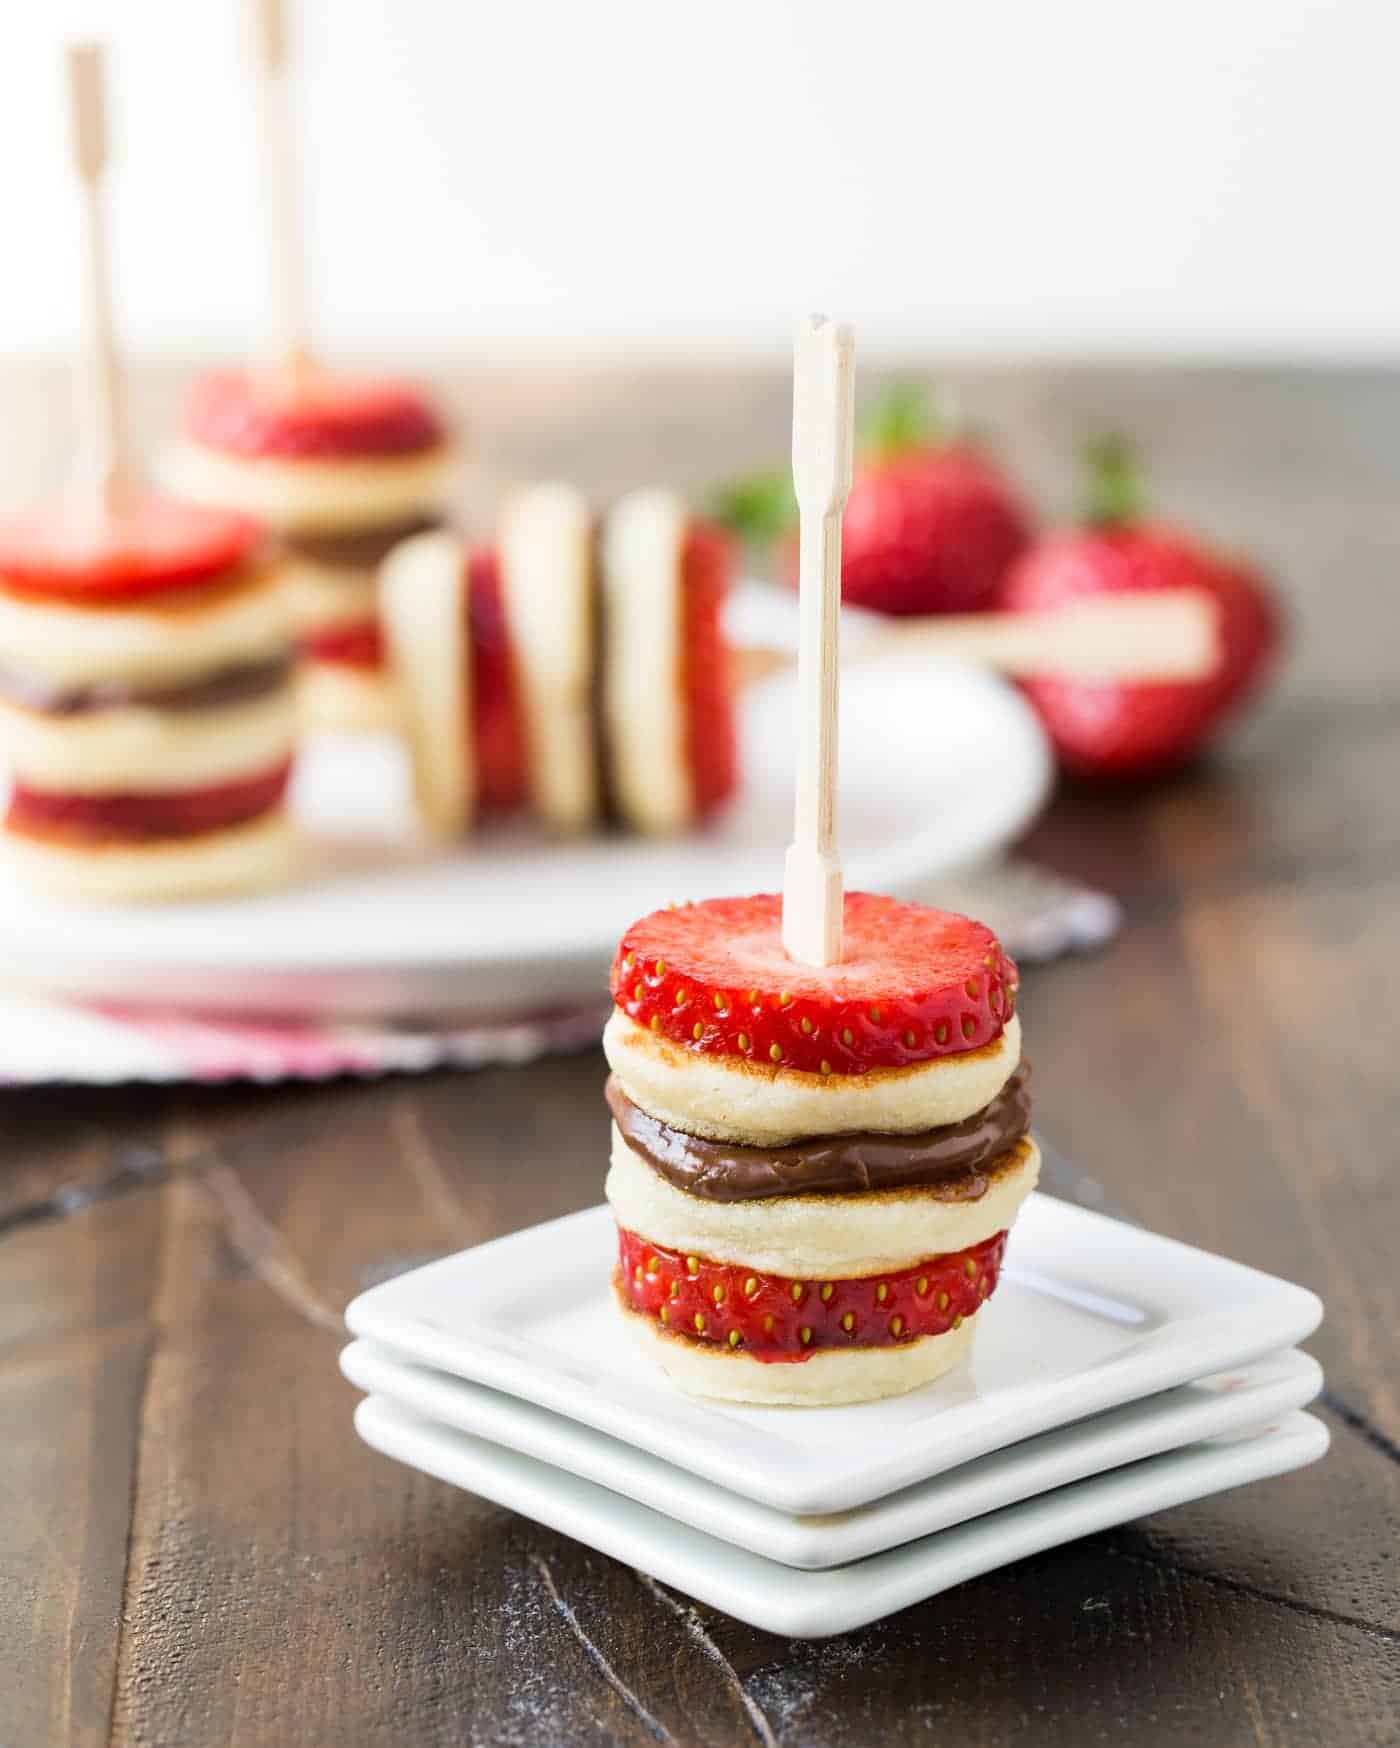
194, 1549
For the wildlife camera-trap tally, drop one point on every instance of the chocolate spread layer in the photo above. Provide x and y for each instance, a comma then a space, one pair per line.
952, 1159
239, 684
363, 548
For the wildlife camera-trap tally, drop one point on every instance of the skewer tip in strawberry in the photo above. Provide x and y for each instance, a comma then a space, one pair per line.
1142, 729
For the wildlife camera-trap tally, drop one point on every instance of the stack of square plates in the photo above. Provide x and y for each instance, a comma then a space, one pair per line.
1114, 1373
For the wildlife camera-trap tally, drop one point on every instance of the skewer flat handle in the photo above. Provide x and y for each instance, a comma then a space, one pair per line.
1141, 639
822, 449
1171, 635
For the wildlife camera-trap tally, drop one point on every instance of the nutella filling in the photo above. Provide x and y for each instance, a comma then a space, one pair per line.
232, 685
952, 1160
362, 549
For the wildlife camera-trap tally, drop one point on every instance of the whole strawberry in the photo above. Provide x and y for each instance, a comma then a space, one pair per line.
1138, 730
931, 523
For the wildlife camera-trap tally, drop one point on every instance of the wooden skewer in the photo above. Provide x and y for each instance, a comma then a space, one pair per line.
1174, 635
106, 463
823, 392
286, 254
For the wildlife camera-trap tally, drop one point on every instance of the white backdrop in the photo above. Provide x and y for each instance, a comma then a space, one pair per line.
1082, 176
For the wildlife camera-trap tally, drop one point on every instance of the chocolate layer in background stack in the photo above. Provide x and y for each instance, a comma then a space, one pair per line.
342, 469
147, 712
576, 668
813, 1171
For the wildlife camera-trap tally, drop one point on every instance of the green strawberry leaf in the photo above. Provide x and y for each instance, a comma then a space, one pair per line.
1115, 491
760, 508
907, 416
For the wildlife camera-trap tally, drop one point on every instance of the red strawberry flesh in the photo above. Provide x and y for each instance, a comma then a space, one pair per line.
774, 1318
136, 816
67, 551
360, 645
497, 730
928, 531
711, 735
913, 984
323, 417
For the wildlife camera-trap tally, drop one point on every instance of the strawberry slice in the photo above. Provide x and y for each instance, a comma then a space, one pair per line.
913, 984
322, 417
776, 1319
711, 735
64, 551
360, 645
177, 813
496, 729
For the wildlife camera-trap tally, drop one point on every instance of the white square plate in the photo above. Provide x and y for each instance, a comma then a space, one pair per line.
1090, 1313
813, 1605
1229, 1402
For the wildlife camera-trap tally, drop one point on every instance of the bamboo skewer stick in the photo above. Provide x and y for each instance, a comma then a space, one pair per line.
286, 245
822, 444
106, 464
1171, 635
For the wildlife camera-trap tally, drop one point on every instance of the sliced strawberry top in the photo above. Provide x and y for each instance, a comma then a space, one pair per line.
65, 550
711, 736
324, 417
496, 729
913, 984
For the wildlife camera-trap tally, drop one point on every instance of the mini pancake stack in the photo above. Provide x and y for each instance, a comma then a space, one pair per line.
575, 669
146, 704
813, 1170
342, 469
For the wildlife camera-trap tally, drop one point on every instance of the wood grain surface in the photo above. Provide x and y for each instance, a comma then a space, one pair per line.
194, 1548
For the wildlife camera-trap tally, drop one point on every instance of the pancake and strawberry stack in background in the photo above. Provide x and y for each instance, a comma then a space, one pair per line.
146, 704
813, 1170
575, 668
342, 469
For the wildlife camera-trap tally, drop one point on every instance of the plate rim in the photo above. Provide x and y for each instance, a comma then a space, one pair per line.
839, 1599
1166, 1421
732, 1454
37, 960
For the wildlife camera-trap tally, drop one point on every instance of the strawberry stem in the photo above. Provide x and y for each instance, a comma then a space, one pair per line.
907, 416
760, 509
1115, 493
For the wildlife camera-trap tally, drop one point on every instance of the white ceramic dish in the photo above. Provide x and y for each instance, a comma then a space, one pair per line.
1223, 1404
817, 1604
939, 768
1091, 1313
